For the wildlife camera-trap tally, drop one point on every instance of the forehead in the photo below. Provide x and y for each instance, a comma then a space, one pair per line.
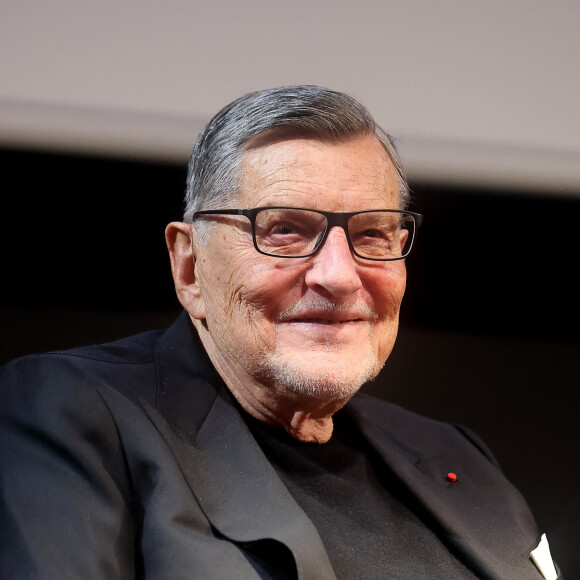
346, 175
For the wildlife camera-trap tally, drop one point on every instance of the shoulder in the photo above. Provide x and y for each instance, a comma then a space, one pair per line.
73, 399
72, 404
46, 379
410, 429
64, 454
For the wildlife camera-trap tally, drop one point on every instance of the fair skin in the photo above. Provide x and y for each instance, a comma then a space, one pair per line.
294, 339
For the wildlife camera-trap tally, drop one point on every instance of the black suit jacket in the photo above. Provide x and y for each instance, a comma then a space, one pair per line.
130, 459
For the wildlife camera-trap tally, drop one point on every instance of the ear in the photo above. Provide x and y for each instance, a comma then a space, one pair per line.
183, 252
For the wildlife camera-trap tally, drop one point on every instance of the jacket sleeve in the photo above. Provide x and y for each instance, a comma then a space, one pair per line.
64, 491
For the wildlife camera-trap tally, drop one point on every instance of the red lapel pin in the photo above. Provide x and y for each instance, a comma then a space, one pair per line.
451, 477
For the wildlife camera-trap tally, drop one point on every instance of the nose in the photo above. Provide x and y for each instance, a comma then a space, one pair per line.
334, 267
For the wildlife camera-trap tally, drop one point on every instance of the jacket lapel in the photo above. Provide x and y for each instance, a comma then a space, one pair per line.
236, 487
471, 514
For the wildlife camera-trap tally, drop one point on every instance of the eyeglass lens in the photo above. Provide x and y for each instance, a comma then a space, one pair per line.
296, 232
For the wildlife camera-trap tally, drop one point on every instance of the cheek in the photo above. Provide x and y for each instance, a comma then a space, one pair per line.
222, 264
247, 292
387, 289
390, 289
270, 285
396, 290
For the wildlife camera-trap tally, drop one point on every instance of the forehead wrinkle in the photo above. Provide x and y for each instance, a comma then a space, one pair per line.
282, 183
257, 182
272, 172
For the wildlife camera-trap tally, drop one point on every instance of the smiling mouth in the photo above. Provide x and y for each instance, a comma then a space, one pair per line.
326, 320
324, 313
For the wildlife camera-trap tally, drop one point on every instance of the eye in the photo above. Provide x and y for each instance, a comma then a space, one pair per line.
372, 233
285, 228
288, 231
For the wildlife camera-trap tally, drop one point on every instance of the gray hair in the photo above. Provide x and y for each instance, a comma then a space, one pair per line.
214, 166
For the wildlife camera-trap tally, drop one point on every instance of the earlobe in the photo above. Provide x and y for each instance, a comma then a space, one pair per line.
183, 254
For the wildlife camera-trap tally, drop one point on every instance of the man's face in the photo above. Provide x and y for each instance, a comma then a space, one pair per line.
321, 325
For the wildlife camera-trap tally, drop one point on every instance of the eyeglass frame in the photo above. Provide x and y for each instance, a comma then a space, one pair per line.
333, 219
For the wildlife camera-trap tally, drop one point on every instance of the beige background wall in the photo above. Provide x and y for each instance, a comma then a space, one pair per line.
483, 92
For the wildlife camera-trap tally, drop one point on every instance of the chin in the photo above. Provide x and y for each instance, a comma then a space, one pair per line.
320, 377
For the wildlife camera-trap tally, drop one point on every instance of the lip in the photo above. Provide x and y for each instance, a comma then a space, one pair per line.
325, 317
310, 330
324, 320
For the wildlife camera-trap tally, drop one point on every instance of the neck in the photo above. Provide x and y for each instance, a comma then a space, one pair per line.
307, 419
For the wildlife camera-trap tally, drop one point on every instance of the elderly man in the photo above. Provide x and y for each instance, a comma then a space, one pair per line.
233, 445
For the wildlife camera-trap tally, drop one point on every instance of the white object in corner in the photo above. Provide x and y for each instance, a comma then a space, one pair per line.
543, 559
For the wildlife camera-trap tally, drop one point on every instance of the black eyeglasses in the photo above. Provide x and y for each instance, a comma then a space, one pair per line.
296, 232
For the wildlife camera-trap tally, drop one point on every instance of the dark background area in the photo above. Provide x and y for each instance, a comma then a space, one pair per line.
489, 323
